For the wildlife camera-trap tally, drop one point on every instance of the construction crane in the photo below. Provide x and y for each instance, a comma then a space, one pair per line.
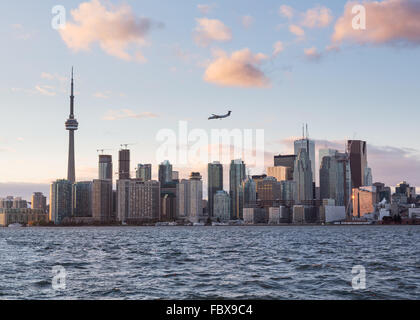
126, 145
102, 150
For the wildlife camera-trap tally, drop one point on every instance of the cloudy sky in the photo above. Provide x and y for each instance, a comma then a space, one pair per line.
143, 66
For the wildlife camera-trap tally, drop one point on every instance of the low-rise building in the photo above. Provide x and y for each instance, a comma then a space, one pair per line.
24, 216
255, 215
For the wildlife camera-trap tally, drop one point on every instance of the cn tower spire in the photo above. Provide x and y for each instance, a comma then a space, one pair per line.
71, 126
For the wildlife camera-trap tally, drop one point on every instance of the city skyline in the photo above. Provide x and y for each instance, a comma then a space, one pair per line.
120, 101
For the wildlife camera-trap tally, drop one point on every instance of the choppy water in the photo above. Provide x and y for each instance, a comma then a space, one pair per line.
211, 262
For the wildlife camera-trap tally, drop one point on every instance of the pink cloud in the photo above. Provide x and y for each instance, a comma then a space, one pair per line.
387, 22
114, 28
241, 69
210, 30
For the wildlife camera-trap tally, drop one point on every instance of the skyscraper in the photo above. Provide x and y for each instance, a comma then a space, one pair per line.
124, 164
82, 199
236, 177
165, 172
215, 182
105, 167
302, 175
60, 201
71, 125
144, 172
309, 146
358, 161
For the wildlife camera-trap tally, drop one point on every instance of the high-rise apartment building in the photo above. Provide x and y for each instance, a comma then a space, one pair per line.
39, 201
102, 201
60, 201
236, 176
190, 198
138, 201
215, 182
82, 199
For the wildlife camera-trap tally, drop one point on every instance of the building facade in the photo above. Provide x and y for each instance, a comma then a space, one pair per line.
60, 201
236, 177
221, 206
215, 183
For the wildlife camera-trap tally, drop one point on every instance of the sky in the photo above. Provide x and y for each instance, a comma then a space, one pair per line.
143, 66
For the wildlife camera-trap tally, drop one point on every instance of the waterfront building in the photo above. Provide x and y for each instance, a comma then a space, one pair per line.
82, 199
102, 201
60, 201
23, 216
39, 201
364, 201
255, 215
190, 198
138, 201
236, 177
144, 172
215, 183
221, 206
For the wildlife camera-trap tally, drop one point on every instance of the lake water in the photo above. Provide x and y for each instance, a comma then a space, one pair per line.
210, 262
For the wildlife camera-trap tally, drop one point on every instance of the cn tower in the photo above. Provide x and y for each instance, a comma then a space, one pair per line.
71, 125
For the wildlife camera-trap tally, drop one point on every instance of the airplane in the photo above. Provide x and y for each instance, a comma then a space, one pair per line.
217, 117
